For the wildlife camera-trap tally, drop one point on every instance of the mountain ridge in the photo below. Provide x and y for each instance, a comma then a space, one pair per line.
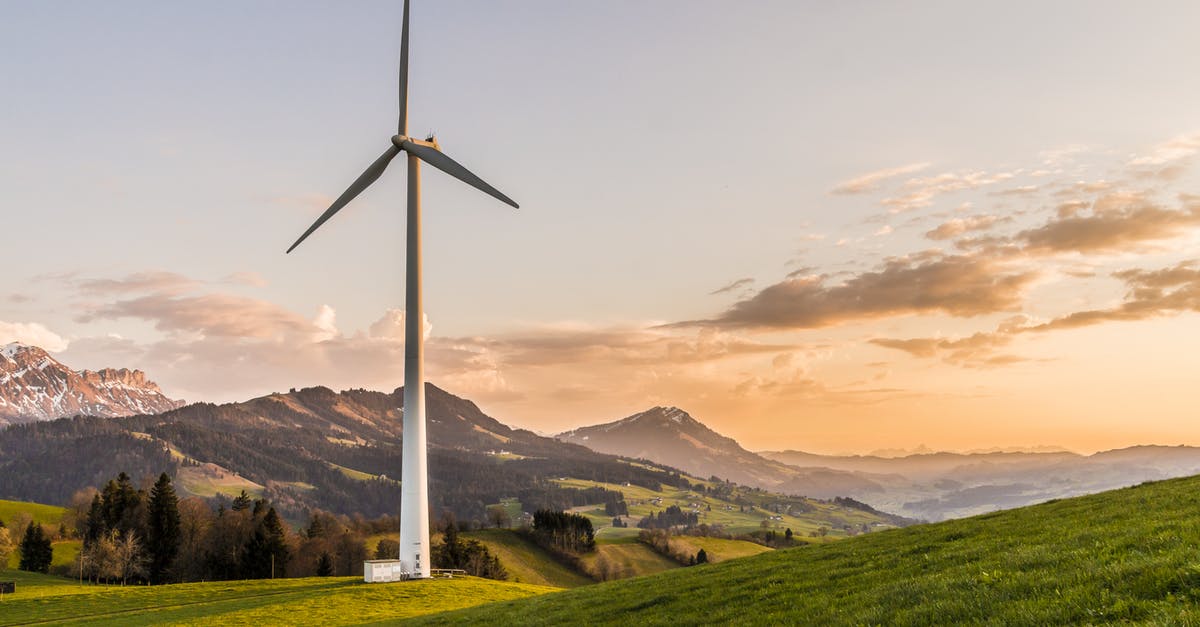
35, 386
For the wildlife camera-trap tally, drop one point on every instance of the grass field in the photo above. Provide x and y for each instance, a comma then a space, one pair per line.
42, 599
13, 511
526, 562
642, 501
719, 549
45, 514
627, 558
1130, 555
208, 480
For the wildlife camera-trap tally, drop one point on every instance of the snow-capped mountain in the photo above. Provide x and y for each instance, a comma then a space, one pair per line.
35, 386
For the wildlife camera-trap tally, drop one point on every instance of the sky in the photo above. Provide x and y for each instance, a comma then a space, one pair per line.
832, 227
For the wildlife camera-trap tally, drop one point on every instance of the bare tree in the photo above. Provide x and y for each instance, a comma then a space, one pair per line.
498, 516
130, 557
6, 546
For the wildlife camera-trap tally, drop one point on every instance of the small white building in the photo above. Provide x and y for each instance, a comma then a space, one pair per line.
379, 571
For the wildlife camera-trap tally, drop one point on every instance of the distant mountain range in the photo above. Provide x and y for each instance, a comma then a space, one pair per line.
930, 486
311, 448
35, 386
319, 448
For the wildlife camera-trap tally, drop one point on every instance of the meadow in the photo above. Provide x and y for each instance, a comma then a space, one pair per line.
1130, 555
45, 599
13, 512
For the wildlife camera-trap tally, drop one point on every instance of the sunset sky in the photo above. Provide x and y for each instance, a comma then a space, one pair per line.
834, 227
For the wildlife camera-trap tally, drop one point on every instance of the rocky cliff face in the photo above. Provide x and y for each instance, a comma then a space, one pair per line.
35, 386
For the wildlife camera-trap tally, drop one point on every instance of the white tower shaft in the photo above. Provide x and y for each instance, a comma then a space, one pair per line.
414, 479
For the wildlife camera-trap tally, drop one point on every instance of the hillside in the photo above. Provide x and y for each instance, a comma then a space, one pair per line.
315, 601
309, 448
17, 514
1124, 555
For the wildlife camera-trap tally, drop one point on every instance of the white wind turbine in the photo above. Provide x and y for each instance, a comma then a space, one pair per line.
414, 501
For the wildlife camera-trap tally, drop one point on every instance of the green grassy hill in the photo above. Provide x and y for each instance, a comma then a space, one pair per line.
527, 562
313, 601
727, 513
1126, 555
12, 512
45, 514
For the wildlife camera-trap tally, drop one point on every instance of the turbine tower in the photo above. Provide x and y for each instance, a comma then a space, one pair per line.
414, 482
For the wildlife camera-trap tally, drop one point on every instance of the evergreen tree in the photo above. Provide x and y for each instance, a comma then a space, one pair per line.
267, 552
241, 502
36, 551
324, 565
163, 536
315, 528
95, 525
387, 549
702, 557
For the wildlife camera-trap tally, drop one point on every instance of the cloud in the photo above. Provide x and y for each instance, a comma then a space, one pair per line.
734, 286
249, 279
873, 180
977, 350
957, 226
326, 324
209, 315
958, 285
921, 192
1152, 293
1113, 222
1168, 159
32, 333
158, 281
391, 326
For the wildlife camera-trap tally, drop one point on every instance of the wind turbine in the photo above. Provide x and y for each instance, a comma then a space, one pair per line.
414, 480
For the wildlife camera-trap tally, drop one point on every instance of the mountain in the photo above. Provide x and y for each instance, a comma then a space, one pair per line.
316, 448
669, 435
35, 386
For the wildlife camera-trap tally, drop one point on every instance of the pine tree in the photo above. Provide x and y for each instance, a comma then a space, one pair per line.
267, 552
702, 557
241, 502
163, 533
36, 550
324, 565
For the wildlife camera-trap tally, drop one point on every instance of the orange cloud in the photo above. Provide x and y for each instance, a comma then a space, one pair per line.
958, 285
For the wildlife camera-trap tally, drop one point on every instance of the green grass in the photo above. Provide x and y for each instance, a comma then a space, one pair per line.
724, 512
1130, 555
627, 557
719, 549
45, 514
48, 515
313, 601
527, 562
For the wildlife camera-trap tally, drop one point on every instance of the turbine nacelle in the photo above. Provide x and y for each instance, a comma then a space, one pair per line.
399, 141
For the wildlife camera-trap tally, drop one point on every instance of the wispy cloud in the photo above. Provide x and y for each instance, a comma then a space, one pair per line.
733, 286
872, 181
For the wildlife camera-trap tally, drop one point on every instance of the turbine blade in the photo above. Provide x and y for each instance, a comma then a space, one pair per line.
439, 160
364, 181
402, 128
